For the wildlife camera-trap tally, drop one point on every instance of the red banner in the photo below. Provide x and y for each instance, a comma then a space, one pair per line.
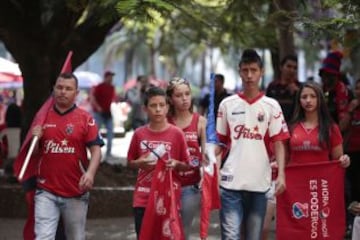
210, 199
162, 215
312, 207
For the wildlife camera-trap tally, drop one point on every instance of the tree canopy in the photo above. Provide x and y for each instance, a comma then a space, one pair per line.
39, 33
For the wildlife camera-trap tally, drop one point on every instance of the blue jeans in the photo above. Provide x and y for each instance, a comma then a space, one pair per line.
109, 125
242, 209
190, 205
49, 207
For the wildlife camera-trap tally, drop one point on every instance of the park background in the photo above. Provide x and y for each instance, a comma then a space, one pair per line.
164, 38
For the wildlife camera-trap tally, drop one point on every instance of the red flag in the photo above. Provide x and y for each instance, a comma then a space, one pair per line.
28, 231
162, 215
30, 171
312, 207
67, 64
210, 196
39, 119
210, 200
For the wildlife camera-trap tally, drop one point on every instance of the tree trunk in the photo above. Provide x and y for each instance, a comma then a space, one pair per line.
286, 27
203, 69
275, 60
152, 60
129, 58
39, 35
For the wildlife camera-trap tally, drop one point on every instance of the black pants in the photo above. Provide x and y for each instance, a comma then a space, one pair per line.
138, 217
352, 184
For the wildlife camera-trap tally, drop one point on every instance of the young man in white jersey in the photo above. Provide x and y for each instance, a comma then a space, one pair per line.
246, 122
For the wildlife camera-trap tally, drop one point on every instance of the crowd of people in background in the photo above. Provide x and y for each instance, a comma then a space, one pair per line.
285, 115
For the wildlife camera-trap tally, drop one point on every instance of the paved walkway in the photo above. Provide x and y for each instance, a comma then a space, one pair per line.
106, 229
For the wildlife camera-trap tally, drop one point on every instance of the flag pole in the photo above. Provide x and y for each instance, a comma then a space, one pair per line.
28, 155
211, 138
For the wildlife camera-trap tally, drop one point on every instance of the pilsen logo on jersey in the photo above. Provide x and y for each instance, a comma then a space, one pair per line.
69, 129
243, 132
51, 146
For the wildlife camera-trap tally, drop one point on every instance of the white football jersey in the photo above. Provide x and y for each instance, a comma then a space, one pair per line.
244, 124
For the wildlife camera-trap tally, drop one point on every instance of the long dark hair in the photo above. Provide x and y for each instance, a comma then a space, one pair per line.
324, 118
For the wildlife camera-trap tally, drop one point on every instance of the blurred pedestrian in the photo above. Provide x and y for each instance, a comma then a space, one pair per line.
220, 94
336, 92
284, 88
101, 98
351, 133
135, 97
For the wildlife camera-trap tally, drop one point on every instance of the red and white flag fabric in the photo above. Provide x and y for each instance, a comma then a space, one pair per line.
162, 219
39, 119
312, 207
67, 67
210, 197
31, 169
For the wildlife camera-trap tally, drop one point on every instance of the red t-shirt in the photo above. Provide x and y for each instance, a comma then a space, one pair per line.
63, 157
175, 145
305, 147
192, 138
104, 94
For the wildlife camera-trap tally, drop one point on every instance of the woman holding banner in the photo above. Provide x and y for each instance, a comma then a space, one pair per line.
194, 126
312, 206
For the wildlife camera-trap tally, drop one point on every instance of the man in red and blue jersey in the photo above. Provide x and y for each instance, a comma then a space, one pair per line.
65, 174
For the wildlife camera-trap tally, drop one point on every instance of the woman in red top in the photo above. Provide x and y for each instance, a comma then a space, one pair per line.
314, 135
193, 125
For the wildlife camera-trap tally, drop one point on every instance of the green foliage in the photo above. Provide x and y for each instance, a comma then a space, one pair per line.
146, 10
334, 17
183, 29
